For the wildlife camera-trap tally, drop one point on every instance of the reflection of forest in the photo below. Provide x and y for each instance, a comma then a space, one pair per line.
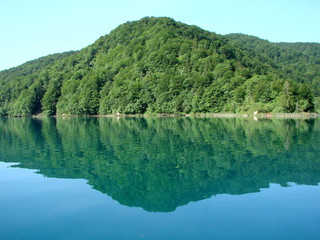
161, 163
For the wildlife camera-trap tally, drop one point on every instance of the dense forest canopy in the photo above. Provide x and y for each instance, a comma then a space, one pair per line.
158, 65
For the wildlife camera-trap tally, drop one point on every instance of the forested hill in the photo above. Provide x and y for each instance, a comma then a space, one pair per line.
158, 65
33, 66
297, 61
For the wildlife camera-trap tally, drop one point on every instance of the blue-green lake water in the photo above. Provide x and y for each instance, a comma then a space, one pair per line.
159, 178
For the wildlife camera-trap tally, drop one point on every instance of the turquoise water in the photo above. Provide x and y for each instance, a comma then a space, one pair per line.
159, 178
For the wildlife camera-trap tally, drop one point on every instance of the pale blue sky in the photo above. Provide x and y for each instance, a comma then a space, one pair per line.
35, 28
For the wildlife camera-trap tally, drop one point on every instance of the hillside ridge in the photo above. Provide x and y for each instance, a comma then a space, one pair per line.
158, 65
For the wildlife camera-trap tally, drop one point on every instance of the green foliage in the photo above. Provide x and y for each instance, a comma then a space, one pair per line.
299, 62
158, 65
51, 97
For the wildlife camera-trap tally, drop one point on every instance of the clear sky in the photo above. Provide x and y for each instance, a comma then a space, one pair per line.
34, 28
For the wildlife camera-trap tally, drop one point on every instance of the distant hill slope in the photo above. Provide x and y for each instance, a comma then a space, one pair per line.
297, 61
33, 66
158, 65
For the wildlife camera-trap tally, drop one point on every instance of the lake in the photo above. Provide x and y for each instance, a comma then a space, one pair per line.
159, 178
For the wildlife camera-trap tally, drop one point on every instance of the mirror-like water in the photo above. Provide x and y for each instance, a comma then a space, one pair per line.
159, 178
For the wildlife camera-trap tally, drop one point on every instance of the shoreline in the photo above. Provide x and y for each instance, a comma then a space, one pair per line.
210, 115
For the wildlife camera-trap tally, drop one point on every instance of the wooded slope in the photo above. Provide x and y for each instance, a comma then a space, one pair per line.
158, 65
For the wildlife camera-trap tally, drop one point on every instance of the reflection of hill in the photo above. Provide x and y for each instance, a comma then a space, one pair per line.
161, 163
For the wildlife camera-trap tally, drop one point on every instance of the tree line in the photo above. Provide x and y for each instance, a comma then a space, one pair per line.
158, 65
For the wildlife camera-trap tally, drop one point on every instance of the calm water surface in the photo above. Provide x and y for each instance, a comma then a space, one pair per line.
159, 178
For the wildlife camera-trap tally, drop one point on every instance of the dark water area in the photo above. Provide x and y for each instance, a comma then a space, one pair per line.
159, 178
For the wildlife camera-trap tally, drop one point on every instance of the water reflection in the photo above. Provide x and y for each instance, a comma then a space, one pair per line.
159, 164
